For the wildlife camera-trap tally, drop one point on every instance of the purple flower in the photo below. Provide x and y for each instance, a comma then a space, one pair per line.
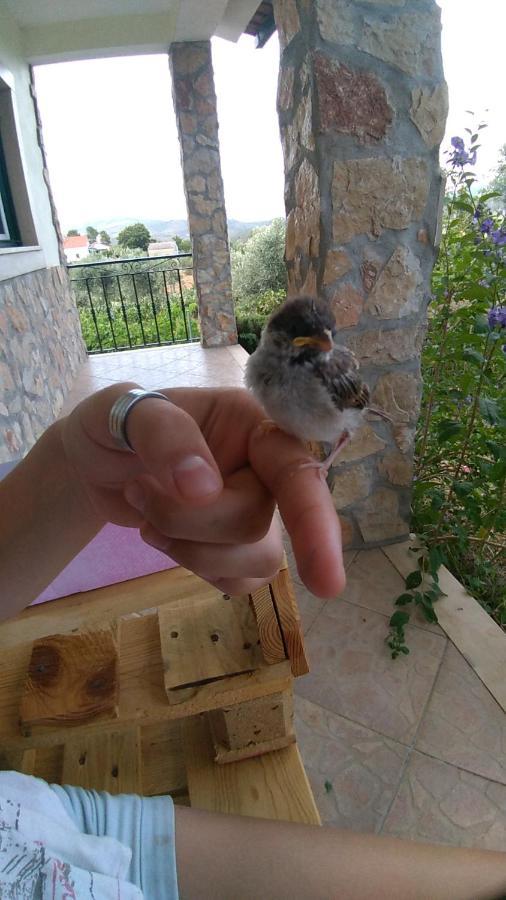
497, 317
460, 156
499, 236
477, 214
486, 225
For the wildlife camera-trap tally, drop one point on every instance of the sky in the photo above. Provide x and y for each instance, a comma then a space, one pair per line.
111, 137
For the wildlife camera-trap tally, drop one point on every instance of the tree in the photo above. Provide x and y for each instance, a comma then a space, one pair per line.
258, 263
184, 245
72, 232
105, 238
498, 182
92, 233
135, 236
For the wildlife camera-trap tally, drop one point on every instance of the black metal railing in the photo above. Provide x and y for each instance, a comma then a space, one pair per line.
137, 302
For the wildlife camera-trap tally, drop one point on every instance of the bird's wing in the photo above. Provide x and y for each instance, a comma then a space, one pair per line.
339, 373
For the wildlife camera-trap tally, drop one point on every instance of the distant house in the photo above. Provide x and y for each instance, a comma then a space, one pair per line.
98, 247
162, 248
76, 247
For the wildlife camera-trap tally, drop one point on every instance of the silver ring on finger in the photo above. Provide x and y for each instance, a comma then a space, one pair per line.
121, 409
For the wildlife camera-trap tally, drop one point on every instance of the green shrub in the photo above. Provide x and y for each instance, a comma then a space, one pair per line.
459, 496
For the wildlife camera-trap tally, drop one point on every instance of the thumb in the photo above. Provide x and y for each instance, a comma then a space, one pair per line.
172, 448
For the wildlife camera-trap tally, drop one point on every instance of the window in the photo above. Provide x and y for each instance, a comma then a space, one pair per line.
16, 222
9, 231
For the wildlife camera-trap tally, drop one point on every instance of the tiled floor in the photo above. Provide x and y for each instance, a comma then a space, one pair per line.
414, 747
187, 365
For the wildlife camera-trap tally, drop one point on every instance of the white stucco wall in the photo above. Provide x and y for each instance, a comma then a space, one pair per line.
14, 70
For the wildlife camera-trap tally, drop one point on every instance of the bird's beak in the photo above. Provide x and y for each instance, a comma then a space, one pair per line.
323, 341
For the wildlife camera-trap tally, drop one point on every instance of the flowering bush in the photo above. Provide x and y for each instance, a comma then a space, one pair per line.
459, 507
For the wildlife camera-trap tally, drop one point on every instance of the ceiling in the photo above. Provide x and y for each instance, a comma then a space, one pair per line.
56, 30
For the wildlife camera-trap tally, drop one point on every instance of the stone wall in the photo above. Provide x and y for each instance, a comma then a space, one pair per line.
362, 106
41, 349
195, 106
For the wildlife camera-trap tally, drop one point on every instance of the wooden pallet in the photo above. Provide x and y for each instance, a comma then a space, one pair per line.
148, 686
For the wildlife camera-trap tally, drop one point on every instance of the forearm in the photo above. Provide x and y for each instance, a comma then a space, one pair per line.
45, 519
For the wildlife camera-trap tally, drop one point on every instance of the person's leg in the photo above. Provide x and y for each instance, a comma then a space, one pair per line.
221, 857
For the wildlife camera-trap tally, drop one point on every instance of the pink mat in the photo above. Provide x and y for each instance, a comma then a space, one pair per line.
115, 554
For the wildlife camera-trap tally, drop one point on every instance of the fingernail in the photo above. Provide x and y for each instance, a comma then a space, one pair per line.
134, 495
195, 478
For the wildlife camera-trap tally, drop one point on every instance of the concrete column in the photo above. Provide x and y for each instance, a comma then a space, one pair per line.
362, 106
195, 106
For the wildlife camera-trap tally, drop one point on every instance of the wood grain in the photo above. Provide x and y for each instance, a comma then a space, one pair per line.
143, 698
206, 639
163, 766
289, 619
272, 786
104, 762
271, 639
71, 678
480, 640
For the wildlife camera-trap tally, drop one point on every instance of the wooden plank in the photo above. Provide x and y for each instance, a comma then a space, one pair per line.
271, 639
480, 640
205, 639
163, 766
19, 760
224, 756
289, 619
71, 678
104, 762
271, 786
143, 699
253, 722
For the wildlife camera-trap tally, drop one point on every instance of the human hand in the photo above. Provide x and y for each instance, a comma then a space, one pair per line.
203, 483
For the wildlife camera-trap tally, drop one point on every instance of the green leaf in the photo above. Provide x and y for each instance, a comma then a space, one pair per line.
403, 599
429, 614
414, 579
497, 450
404, 650
466, 205
435, 560
447, 429
490, 410
488, 196
399, 619
462, 489
481, 325
473, 356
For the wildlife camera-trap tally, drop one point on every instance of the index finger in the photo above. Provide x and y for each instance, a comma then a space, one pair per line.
306, 508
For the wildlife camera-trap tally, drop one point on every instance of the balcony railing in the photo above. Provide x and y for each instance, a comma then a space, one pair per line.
136, 302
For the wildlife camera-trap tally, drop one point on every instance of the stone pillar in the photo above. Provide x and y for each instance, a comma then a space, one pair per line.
362, 106
195, 106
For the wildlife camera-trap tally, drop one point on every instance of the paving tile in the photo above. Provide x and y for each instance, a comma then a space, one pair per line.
309, 606
354, 772
374, 583
352, 673
463, 724
440, 803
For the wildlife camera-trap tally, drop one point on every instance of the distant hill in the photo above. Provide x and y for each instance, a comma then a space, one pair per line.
162, 229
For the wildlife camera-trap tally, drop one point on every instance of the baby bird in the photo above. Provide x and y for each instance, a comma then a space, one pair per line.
309, 385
